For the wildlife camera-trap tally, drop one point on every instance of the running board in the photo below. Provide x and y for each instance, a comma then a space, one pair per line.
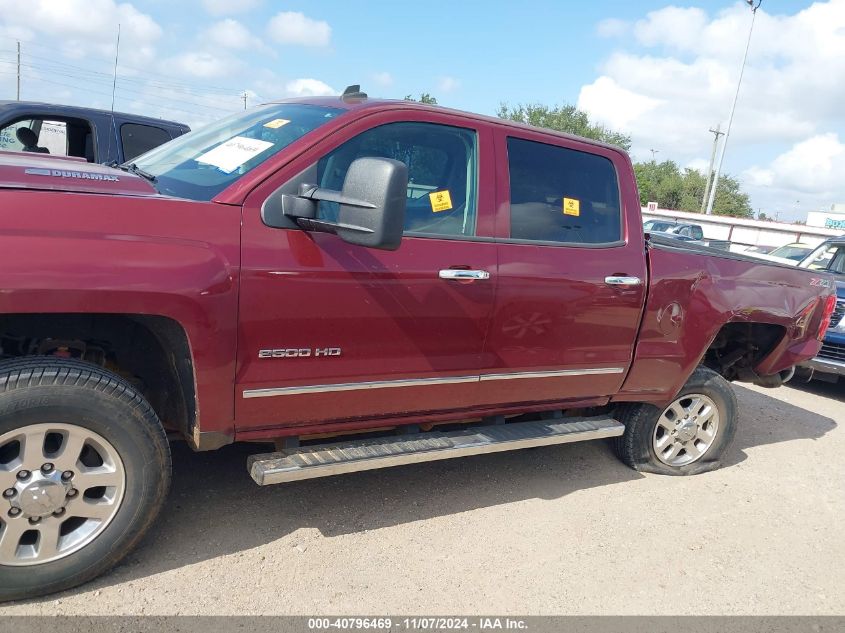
322, 460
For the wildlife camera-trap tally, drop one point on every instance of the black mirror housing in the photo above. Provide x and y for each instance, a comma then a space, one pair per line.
371, 205
383, 183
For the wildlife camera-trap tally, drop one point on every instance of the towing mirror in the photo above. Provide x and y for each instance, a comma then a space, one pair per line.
383, 184
372, 204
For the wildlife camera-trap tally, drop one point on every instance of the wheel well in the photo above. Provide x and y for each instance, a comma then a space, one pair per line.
738, 347
152, 352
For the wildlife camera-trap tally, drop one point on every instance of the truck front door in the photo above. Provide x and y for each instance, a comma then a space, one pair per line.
335, 333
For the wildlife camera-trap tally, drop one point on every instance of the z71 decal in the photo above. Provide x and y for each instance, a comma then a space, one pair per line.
820, 282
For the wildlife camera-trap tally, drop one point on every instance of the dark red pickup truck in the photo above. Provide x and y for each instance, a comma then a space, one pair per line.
424, 283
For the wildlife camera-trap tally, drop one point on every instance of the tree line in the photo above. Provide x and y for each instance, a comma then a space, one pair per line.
665, 183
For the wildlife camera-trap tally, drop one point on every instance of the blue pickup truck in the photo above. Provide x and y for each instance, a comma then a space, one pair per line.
98, 136
830, 362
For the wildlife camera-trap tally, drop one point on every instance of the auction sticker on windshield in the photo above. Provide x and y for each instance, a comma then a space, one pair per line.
234, 153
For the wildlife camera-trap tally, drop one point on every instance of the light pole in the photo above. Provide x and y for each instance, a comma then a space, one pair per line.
754, 6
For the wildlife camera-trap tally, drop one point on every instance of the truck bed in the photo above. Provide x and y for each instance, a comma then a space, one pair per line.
695, 292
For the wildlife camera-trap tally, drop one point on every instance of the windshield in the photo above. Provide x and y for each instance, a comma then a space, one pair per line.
829, 257
656, 225
202, 163
795, 252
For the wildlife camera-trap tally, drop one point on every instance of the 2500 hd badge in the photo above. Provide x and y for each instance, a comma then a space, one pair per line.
298, 352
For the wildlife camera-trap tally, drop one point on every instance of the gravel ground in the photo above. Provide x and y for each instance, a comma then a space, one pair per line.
557, 530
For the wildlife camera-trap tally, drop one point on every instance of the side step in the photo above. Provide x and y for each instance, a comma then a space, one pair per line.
322, 460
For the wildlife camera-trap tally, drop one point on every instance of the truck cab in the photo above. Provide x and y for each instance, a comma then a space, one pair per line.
97, 136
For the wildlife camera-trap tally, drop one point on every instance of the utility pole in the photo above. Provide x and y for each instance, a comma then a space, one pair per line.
716, 135
19, 71
244, 97
653, 153
711, 198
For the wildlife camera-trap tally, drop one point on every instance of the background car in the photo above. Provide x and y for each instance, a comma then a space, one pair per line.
98, 136
795, 252
830, 362
692, 231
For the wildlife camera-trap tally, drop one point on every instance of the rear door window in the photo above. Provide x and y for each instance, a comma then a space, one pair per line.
562, 195
138, 139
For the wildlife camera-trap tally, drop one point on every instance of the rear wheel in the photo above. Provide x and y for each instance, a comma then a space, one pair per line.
687, 437
84, 470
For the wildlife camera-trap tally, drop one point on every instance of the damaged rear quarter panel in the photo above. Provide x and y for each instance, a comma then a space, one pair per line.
692, 295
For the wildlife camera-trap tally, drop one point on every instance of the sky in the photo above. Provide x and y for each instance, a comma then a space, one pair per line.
662, 73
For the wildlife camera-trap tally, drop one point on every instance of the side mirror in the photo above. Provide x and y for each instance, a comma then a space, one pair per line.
372, 204
384, 184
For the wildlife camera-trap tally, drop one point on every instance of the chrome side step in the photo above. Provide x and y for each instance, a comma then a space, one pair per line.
351, 456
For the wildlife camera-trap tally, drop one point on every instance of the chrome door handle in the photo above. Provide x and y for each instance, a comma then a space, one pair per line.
460, 273
623, 281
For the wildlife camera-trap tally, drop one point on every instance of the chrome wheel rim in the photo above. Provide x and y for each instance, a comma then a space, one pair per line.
61, 486
686, 430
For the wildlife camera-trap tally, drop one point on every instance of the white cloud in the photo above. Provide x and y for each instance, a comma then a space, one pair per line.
229, 7
814, 166
447, 84
668, 96
383, 79
602, 99
81, 27
203, 65
291, 27
308, 87
698, 164
671, 27
229, 33
612, 27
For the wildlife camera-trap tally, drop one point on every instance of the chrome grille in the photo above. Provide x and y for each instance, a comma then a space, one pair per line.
838, 313
833, 351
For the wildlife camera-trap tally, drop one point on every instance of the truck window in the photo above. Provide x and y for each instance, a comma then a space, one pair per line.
53, 136
829, 257
35, 135
441, 162
562, 195
8, 136
60, 136
137, 139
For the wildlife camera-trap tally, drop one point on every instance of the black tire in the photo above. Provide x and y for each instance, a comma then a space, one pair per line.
635, 447
39, 390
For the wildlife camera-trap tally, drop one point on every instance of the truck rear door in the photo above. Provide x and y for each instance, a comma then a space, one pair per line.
572, 270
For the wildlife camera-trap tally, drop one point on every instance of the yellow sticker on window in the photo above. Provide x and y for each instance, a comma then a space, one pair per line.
571, 206
275, 123
440, 201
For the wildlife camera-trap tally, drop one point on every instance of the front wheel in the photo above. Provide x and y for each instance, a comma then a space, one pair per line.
687, 437
84, 470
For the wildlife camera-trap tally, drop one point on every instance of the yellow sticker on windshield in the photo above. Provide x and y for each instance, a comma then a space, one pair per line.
440, 201
571, 206
276, 123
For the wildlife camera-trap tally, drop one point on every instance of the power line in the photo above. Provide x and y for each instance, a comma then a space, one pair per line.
140, 71
59, 67
712, 197
105, 82
139, 101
